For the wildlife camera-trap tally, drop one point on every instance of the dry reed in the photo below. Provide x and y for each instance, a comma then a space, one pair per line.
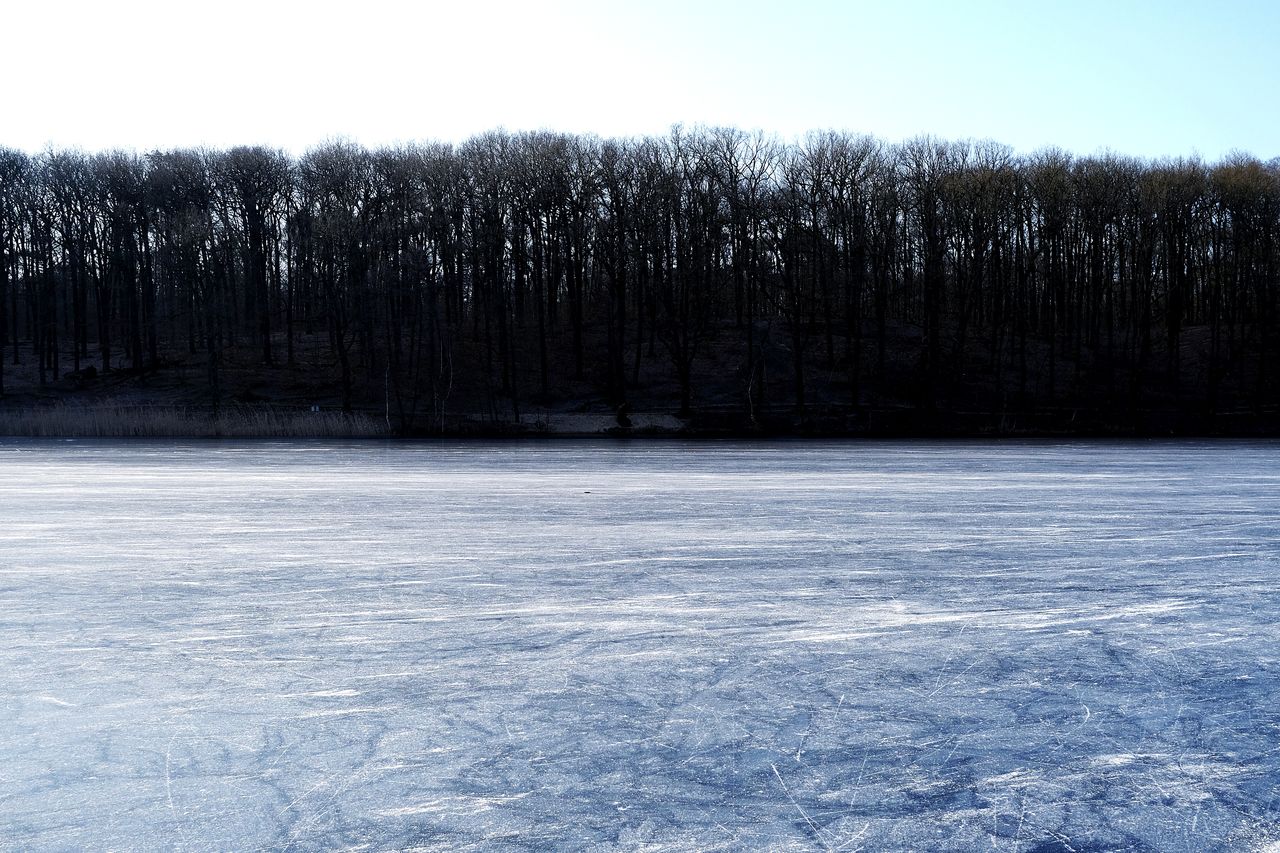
137, 421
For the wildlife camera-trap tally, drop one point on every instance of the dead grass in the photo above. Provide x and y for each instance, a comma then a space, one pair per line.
136, 421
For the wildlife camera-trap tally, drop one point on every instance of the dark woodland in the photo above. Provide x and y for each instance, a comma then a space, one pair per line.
837, 284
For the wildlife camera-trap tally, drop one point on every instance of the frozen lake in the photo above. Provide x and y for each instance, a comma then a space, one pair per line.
1025, 646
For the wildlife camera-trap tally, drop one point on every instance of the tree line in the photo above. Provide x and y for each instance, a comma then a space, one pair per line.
836, 270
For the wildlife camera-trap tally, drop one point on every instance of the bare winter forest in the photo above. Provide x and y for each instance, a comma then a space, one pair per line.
838, 283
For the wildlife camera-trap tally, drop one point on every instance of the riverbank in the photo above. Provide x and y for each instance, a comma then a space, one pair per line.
131, 419
144, 421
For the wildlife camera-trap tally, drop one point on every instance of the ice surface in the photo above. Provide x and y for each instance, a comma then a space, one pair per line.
1034, 646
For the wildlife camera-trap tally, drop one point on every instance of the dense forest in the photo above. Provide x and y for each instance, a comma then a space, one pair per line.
708, 272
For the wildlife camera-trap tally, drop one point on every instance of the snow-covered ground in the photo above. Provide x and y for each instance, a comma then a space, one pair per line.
1032, 646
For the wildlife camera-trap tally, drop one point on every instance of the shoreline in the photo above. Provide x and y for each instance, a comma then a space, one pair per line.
143, 420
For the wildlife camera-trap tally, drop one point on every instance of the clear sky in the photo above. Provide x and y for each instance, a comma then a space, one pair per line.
1150, 78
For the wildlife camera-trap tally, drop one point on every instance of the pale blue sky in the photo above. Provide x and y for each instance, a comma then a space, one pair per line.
1147, 78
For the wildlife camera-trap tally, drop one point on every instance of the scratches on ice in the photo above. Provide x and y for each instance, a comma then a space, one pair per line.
341, 712
878, 622
458, 803
322, 694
